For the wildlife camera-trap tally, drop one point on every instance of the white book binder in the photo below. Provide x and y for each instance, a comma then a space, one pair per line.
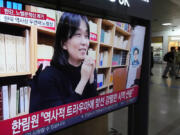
5, 95
2, 55
10, 44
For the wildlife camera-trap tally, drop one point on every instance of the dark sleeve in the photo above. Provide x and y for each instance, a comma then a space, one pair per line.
44, 93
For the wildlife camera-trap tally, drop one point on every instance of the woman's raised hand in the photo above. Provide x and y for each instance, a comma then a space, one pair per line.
87, 73
87, 68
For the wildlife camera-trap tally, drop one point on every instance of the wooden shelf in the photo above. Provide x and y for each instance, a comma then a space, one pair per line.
118, 29
46, 31
14, 74
93, 42
108, 23
105, 45
118, 48
100, 88
102, 67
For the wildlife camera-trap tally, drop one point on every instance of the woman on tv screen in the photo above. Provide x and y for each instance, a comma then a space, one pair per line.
71, 75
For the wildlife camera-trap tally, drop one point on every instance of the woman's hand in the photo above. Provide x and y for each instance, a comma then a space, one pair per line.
87, 73
87, 68
91, 80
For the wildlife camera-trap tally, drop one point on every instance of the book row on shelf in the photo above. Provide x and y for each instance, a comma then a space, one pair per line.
14, 53
103, 58
101, 80
120, 42
105, 36
119, 58
14, 101
124, 26
93, 27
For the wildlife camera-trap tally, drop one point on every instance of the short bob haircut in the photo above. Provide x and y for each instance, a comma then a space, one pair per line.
67, 26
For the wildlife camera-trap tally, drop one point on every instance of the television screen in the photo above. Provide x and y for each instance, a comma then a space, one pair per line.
60, 68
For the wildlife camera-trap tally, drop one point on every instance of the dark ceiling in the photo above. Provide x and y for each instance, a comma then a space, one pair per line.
165, 11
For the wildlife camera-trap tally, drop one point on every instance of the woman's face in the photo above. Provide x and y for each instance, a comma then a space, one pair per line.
77, 46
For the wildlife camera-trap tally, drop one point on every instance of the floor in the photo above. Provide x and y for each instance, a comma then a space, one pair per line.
164, 107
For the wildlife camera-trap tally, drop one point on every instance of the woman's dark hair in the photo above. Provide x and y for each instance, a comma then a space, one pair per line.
136, 49
67, 26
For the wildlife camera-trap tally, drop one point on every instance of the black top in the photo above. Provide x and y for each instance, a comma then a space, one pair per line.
169, 57
56, 86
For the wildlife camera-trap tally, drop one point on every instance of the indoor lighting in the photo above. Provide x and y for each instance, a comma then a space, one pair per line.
175, 38
112, 0
167, 24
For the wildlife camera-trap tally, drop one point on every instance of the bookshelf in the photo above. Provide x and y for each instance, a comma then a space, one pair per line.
102, 41
45, 36
15, 50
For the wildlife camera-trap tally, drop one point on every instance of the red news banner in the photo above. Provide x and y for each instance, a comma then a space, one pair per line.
26, 18
33, 121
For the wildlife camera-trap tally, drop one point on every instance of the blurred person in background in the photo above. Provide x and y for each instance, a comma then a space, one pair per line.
169, 57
